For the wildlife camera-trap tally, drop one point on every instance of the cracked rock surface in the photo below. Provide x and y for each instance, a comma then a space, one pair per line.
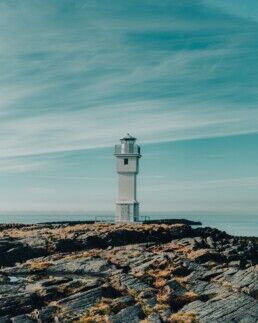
102, 272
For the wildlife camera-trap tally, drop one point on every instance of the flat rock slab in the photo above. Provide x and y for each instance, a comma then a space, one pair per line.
131, 314
234, 308
80, 302
80, 267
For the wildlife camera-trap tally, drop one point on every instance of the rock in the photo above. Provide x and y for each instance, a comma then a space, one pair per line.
46, 314
177, 289
125, 273
234, 264
23, 318
154, 318
165, 314
133, 283
16, 251
97, 267
244, 280
122, 302
131, 314
80, 302
233, 308
19, 303
204, 255
173, 221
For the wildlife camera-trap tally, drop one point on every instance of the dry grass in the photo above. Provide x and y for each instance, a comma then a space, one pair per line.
161, 307
95, 319
97, 313
38, 265
183, 317
159, 282
71, 231
164, 295
197, 253
182, 280
161, 273
179, 301
138, 274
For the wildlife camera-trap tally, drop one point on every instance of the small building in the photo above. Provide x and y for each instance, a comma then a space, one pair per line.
127, 164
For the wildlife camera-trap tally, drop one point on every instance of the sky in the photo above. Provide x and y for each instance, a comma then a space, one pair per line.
181, 76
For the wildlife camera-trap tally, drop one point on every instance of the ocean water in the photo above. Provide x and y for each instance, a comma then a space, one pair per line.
241, 225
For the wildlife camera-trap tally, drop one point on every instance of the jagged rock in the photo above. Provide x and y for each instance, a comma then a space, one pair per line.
206, 290
133, 283
80, 266
177, 289
18, 253
233, 308
154, 318
46, 314
5, 319
131, 314
122, 302
124, 272
19, 303
244, 280
23, 318
204, 255
80, 302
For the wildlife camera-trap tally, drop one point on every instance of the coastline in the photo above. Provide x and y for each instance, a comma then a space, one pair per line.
149, 272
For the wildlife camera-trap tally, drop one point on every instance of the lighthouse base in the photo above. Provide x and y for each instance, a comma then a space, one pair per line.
127, 211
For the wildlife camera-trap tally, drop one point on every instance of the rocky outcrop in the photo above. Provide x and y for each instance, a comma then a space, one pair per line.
126, 273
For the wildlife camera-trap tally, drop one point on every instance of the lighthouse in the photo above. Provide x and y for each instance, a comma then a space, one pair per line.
127, 164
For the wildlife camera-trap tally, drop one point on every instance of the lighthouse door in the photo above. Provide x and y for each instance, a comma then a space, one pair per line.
125, 212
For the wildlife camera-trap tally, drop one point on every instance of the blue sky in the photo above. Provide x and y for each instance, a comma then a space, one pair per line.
179, 75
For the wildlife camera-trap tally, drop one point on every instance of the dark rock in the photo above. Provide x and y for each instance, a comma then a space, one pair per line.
19, 303
18, 252
127, 271
46, 314
23, 318
177, 289
122, 302
173, 221
131, 314
78, 303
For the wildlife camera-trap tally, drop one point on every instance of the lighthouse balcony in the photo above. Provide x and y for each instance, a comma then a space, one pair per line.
127, 149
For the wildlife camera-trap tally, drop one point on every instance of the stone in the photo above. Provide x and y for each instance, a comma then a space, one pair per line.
233, 308
177, 289
131, 314
78, 303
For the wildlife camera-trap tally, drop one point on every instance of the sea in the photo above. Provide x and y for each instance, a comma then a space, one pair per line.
239, 225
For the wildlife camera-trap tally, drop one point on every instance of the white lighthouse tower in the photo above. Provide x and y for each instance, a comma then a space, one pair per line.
127, 157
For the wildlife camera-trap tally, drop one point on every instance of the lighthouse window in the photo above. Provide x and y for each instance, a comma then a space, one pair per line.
126, 161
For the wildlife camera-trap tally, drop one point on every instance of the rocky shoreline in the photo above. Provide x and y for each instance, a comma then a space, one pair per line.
149, 272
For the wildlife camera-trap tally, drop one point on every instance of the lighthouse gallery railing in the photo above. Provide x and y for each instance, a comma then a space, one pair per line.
128, 149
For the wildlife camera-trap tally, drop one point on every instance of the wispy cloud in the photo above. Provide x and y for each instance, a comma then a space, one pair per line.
77, 75
214, 184
76, 85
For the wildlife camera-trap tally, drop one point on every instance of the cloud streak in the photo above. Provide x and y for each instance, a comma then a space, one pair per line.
76, 85
77, 75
